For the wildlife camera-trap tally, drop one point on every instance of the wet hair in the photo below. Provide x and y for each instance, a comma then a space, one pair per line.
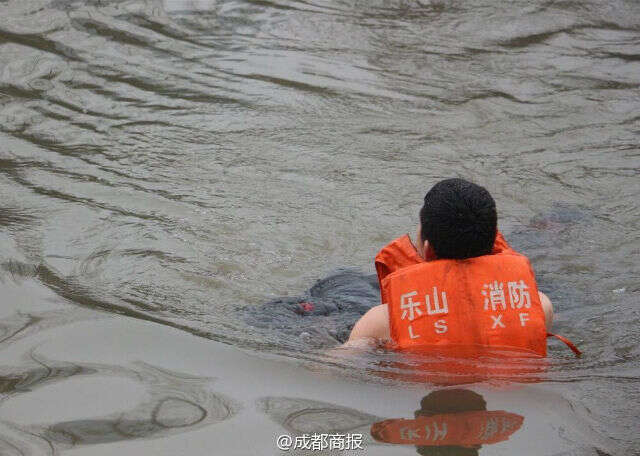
459, 219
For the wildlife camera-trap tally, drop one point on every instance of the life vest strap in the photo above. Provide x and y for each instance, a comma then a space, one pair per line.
569, 344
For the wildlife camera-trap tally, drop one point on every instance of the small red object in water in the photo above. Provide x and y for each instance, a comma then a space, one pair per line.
306, 306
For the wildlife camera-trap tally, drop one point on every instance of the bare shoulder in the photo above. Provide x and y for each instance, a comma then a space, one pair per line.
547, 307
373, 325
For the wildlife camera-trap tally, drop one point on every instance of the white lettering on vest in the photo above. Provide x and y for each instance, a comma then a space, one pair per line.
441, 326
524, 317
518, 295
411, 335
436, 309
497, 321
408, 306
495, 297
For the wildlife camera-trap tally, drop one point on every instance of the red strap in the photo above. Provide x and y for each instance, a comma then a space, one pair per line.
570, 344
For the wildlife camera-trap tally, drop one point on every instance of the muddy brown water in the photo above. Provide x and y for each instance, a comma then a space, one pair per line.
167, 168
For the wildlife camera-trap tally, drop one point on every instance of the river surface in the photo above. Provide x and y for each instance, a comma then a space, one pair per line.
166, 168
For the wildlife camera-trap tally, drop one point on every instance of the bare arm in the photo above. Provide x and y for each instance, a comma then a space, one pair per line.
548, 309
371, 329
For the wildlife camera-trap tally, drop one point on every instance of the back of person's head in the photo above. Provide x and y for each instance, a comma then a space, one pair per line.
459, 219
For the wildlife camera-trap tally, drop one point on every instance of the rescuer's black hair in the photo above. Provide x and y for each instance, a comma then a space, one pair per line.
459, 219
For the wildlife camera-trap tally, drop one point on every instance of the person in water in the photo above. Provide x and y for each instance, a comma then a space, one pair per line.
462, 286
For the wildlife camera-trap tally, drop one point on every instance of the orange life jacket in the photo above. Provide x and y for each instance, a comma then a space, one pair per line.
483, 302
449, 429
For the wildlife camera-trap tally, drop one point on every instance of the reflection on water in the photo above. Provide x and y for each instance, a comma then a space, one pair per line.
176, 403
449, 422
